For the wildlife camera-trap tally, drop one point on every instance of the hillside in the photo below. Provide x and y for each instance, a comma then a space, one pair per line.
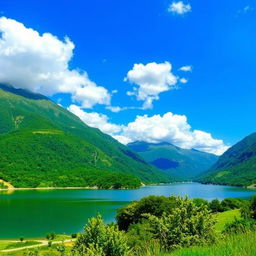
237, 166
43, 144
181, 163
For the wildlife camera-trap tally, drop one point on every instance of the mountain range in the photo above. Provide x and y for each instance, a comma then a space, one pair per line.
44, 145
184, 164
237, 166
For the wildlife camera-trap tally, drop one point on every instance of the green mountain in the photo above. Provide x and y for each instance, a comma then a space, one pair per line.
184, 164
43, 144
237, 166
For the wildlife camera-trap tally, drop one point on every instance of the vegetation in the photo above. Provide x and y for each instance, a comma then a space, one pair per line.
184, 164
165, 226
42, 144
236, 166
13, 245
100, 239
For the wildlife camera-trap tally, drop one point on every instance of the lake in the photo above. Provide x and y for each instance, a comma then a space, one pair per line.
34, 213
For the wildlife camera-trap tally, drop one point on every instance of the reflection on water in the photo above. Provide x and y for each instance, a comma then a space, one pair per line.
33, 213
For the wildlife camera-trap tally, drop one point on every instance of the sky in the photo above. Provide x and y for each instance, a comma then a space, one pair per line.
155, 70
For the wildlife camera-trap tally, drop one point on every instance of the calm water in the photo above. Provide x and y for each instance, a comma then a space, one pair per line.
34, 213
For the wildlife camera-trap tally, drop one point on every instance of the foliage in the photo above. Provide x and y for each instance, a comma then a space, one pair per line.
134, 212
236, 166
186, 225
232, 203
102, 240
215, 206
240, 226
232, 245
248, 210
225, 218
50, 236
43, 144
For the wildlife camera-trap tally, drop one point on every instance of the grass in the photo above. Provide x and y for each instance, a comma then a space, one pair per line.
224, 218
235, 245
42, 251
12, 245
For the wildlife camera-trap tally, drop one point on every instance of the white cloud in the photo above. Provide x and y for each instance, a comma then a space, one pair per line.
40, 63
173, 129
151, 79
183, 80
95, 120
179, 8
170, 128
186, 68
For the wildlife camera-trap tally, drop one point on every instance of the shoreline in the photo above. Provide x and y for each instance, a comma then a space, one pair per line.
97, 188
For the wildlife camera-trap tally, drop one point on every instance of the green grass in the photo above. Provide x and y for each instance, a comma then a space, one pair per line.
12, 245
226, 217
236, 245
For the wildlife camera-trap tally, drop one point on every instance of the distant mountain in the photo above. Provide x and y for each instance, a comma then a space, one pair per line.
237, 166
43, 144
185, 164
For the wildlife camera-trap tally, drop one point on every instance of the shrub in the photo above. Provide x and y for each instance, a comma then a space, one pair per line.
248, 211
231, 203
51, 236
240, 226
134, 212
74, 235
187, 225
215, 206
101, 240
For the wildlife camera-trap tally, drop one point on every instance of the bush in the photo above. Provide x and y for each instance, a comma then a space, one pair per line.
101, 240
248, 211
134, 212
240, 226
231, 204
187, 225
74, 235
200, 202
215, 206
51, 236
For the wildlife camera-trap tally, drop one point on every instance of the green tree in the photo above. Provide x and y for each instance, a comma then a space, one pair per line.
134, 212
215, 206
101, 240
187, 225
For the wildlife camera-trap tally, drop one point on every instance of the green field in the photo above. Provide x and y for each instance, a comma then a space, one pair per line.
236, 245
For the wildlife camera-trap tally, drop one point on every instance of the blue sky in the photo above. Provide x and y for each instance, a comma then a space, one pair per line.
217, 38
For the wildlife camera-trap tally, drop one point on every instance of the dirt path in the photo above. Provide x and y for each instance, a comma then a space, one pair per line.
43, 243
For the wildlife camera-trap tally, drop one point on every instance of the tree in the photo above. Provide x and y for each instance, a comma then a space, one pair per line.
134, 212
187, 225
215, 206
101, 240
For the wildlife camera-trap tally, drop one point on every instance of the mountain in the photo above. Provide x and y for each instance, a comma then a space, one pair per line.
237, 166
184, 164
43, 144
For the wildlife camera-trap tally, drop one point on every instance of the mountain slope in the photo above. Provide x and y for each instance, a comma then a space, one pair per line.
237, 166
43, 143
182, 163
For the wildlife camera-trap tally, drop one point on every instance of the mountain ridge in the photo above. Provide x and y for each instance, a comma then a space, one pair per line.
31, 123
185, 164
237, 166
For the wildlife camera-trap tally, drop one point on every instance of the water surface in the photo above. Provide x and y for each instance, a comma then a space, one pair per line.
33, 213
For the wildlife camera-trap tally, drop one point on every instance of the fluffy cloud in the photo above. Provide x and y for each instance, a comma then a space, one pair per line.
95, 120
151, 79
179, 8
170, 128
173, 129
186, 68
39, 63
